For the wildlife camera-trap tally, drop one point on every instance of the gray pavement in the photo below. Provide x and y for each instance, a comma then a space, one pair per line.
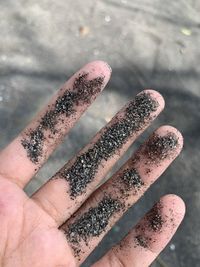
149, 44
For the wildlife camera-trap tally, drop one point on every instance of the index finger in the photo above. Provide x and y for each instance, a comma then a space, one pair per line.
22, 158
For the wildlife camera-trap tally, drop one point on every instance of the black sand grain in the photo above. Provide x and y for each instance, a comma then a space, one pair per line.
86, 88
153, 221
131, 179
142, 241
48, 121
93, 222
154, 218
83, 92
83, 171
159, 147
33, 144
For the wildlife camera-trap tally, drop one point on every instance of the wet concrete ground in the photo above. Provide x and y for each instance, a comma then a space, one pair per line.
149, 44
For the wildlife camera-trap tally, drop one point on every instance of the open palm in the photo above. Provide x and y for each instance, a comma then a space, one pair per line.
62, 223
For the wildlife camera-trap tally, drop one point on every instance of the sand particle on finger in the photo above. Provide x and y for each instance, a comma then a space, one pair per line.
71, 185
136, 115
34, 145
94, 221
124, 188
144, 242
65, 106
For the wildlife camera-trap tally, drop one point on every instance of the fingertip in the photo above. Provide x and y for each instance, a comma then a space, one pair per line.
157, 96
99, 67
175, 203
103, 65
168, 129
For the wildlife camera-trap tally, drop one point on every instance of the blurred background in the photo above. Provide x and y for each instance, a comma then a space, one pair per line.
149, 44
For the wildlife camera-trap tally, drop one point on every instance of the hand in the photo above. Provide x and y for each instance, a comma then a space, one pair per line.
67, 217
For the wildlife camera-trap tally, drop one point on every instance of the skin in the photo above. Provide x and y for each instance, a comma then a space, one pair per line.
33, 229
